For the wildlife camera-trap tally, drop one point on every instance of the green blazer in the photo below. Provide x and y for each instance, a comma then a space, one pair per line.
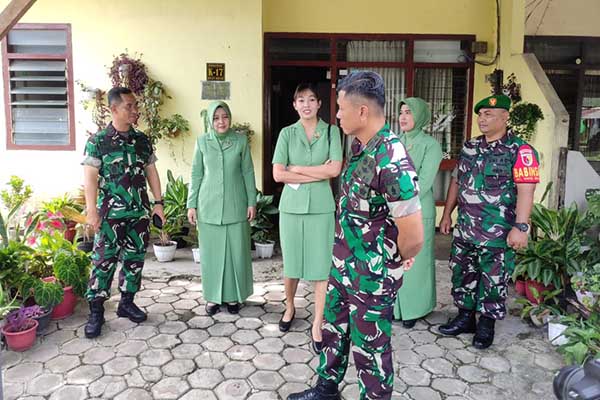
222, 186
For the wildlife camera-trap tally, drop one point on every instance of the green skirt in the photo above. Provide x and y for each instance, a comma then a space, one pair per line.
226, 262
307, 245
416, 298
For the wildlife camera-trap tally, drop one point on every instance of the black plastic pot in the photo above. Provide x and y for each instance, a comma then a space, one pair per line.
43, 321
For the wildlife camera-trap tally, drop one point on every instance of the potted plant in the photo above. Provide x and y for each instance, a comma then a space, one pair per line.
39, 314
175, 199
164, 247
71, 269
20, 329
583, 339
586, 284
539, 311
14, 199
262, 226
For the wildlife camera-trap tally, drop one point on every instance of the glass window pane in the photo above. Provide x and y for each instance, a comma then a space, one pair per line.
440, 51
299, 49
371, 50
589, 131
445, 89
37, 41
556, 52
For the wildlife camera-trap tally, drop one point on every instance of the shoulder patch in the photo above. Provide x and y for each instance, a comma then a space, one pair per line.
526, 167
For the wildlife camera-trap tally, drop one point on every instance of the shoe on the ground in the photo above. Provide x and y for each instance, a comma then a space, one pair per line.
284, 326
409, 323
93, 328
464, 322
317, 346
324, 390
212, 309
484, 335
128, 309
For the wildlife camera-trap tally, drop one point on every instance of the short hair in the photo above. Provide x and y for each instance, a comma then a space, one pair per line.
367, 84
114, 94
306, 86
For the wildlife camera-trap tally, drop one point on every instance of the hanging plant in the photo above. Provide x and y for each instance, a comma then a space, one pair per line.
523, 119
245, 129
129, 72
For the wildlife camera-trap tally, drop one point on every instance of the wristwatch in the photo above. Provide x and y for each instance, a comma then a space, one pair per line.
156, 202
522, 226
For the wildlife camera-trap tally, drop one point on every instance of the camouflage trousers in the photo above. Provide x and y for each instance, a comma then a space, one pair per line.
117, 240
359, 320
480, 277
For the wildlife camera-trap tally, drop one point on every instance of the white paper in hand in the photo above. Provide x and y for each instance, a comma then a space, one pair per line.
294, 186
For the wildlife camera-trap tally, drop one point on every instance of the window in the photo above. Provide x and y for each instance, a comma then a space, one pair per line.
38, 87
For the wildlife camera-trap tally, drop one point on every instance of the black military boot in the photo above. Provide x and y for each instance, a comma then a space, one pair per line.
93, 328
128, 309
484, 336
464, 322
324, 390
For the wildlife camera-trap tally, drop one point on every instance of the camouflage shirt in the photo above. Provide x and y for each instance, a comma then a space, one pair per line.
487, 174
121, 159
378, 184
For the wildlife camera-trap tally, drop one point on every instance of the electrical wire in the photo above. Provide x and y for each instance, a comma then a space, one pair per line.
493, 61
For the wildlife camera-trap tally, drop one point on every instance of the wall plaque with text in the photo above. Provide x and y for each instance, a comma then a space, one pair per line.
215, 71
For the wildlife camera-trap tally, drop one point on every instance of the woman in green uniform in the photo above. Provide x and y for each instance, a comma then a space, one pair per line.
222, 201
416, 298
308, 154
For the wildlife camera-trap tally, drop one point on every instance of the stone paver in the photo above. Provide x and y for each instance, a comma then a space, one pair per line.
181, 353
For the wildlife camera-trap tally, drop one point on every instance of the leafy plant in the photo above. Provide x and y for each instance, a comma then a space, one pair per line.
557, 248
549, 306
171, 127
14, 198
19, 320
152, 99
129, 72
523, 119
7, 303
262, 225
175, 198
583, 339
72, 267
245, 129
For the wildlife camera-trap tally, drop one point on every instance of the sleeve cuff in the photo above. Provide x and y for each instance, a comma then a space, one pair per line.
404, 208
152, 159
92, 162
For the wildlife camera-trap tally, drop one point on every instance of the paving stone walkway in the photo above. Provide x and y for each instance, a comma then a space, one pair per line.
180, 353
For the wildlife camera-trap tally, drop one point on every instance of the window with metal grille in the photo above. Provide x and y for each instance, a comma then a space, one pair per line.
38, 87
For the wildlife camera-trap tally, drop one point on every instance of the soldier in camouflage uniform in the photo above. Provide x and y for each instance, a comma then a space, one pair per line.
118, 161
493, 186
378, 226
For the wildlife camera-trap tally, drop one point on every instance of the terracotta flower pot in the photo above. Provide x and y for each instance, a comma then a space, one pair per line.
540, 287
21, 341
67, 307
520, 287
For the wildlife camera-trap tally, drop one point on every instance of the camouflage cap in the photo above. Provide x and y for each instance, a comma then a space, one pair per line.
495, 101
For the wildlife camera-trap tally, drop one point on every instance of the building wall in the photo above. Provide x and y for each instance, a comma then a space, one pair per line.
562, 18
177, 39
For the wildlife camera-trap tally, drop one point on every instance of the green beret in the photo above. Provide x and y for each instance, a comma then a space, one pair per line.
495, 101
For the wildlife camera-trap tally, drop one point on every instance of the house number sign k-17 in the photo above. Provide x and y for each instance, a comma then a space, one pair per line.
215, 71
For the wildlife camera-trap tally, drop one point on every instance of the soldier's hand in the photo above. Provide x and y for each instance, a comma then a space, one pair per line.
445, 225
408, 263
159, 210
93, 219
517, 239
192, 216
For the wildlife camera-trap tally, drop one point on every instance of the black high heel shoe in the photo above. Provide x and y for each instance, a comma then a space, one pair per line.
317, 347
212, 309
284, 326
233, 308
409, 323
